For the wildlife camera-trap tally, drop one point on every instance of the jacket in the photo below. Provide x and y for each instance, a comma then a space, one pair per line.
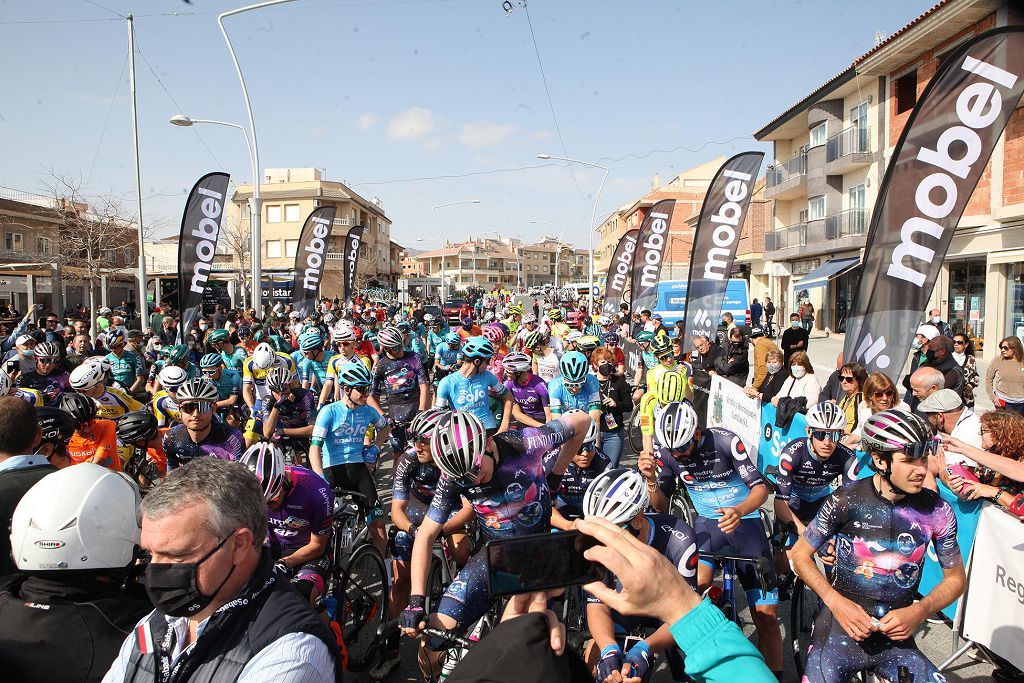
733, 363
762, 347
716, 649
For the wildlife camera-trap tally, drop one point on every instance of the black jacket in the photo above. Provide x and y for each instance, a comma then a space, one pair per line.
706, 362
790, 338
13, 485
771, 385
734, 364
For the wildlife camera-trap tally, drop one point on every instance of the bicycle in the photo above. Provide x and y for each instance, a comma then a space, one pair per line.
455, 646
726, 597
633, 435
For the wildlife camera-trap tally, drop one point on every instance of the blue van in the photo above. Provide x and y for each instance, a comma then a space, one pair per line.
671, 302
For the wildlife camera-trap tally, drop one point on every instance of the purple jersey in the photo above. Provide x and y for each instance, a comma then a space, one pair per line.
532, 398
307, 509
399, 379
51, 386
222, 442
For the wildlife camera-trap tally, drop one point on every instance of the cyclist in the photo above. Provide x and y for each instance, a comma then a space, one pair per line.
571, 342
568, 489
467, 389
620, 496
140, 448
669, 387
289, 412
199, 433
726, 489
300, 507
528, 327
344, 337
400, 377
229, 387
312, 367
176, 355
254, 384
468, 329
446, 359
575, 388
647, 362
337, 450
95, 439
558, 328
126, 367
545, 356
882, 526
503, 477
220, 342
514, 315
529, 392
434, 337
587, 344
27, 395
49, 378
495, 333
90, 379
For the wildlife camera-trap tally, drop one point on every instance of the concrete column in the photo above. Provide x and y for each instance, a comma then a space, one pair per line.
232, 293
995, 309
157, 290
104, 285
30, 287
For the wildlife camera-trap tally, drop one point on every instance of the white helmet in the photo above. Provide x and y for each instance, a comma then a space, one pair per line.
294, 315
827, 416
99, 361
591, 437
617, 495
172, 376
343, 332
458, 444
604, 321
675, 424
81, 517
263, 356
86, 376
428, 318
5, 383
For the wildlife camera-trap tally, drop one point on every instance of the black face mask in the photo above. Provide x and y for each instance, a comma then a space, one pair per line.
172, 588
930, 355
605, 368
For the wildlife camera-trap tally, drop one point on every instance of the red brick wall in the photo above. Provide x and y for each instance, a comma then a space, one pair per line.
1013, 160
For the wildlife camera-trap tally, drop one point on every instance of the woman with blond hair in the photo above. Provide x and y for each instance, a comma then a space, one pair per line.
879, 393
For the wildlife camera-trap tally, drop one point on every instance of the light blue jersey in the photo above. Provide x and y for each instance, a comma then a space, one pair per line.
314, 371
340, 431
229, 384
561, 401
470, 394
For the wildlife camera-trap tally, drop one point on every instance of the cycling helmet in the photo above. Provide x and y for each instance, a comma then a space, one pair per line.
573, 337
494, 334
310, 341
217, 336
516, 362
104, 310
86, 376
117, 337
354, 374
529, 318
211, 360
140, 425
590, 440
165, 352
671, 387
675, 425
99, 361
604, 321
343, 332
266, 461
263, 356
555, 314
458, 445
478, 347
644, 337
826, 415
244, 332
661, 345
294, 315
534, 339
589, 342
452, 338
424, 424
467, 322
47, 351
278, 378
610, 338
177, 353
515, 309
617, 495
428, 318
78, 518
896, 430
574, 366
390, 338
198, 389
329, 319
171, 377
78, 406
56, 426
756, 331
5, 383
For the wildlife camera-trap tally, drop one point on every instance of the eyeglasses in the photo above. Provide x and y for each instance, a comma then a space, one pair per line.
884, 392
345, 343
847, 379
1003, 347
196, 407
832, 435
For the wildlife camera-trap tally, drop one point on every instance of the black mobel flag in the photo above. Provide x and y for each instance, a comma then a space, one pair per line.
935, 167
311, 258
715, 241
197, 244
351, 258
650, 254
619, 271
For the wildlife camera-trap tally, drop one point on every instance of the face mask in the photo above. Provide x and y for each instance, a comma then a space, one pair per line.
916, 344
936, 320
794, 324
172, 588
605, 368
774, 367
929, 355
798, 371
27, 353
204, 327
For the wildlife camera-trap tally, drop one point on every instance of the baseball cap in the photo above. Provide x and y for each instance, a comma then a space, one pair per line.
929, 332
942, 401
656, 316
24, 339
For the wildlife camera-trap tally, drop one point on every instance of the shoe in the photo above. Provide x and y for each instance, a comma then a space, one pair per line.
385, 666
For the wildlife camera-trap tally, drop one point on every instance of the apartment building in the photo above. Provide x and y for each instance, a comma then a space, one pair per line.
502, 263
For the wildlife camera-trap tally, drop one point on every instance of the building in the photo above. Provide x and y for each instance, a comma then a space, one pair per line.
831, 149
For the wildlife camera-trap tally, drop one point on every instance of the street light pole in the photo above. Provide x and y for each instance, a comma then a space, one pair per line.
440, 234
593, 215
558, 245
143, 304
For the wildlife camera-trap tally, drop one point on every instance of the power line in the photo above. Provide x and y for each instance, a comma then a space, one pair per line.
644, 155
106, 9
455, 175
106, 122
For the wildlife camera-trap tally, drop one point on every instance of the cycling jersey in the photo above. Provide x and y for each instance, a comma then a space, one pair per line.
222, 442
340, 431
559, 330
258, 378
51, 386
127, 368
470, 394
718, 474
114, 403
547, 367
229, 384
294, 411
307, 510
338, 360
446, 356
415, 478
125, 453
314, 371
30, 396
191, 370
235, 359
417, 346
532, 397
98, 439
434, 340
166, 409
588, 398
574, 482
649, 360
805, 480
399, 379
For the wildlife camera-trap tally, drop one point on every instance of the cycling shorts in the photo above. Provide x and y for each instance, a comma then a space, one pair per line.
356, 477
416, 511
468, 597
748, 539
315, 573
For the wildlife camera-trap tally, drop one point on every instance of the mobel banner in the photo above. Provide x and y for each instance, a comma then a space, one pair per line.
351, 259
715, 241
619, 272
934, 168
197, 244
311, 258
650, 255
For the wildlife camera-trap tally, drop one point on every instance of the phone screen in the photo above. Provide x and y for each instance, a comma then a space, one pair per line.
540, 561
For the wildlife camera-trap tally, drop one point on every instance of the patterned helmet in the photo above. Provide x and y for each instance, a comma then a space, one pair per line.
515, 309
617, 495
671, 387
675, 425
278, 378
534, 339
458, 444
574, 367
266, 461
117, 337
424, 424
555, 314
516, 362
897, 430
197, 389
610, 338
661, 345
589, 342
390, 338
47, 351
494, 334
529, 318
826, 415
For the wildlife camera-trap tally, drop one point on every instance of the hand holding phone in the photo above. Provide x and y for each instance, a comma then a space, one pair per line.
538, 562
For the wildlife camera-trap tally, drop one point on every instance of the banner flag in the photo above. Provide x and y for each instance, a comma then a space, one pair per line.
715, 241
618, 272
197, 244
311, 258
967, 513
351, 258
934, 169
650, 254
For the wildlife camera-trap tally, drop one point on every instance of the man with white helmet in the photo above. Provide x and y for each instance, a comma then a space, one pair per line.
344, 337
49, 378
620, 496
67, 603
199, 434
164, 403
254, 373
111, 403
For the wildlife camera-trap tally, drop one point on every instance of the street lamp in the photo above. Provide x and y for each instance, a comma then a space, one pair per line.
440, 234
593, 216
558, 245
254, 213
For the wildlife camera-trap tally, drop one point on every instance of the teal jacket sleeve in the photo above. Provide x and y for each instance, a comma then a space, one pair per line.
716, 649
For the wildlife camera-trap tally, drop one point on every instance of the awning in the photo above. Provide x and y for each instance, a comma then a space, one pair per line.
820, 276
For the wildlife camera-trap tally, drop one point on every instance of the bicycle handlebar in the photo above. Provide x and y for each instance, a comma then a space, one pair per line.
448, 639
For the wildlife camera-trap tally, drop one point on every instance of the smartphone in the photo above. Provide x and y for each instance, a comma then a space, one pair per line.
12, 366
539, 562
962, 472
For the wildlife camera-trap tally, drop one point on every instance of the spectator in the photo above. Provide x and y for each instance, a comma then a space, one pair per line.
918, 355
773, 380
615, 400
756, 311
54, 330
795, 338
935, 319
807, 315
833, 389
211, 578
946, 412
939, 355
1004, 381
963, 354
762, 347
704, 354
733, 364
168, 331
851, 380
801, 382
24, 352
679, 330
923, 383
1000, 470
879, 394
769, 310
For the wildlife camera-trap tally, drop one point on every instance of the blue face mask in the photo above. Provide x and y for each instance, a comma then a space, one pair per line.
794, 323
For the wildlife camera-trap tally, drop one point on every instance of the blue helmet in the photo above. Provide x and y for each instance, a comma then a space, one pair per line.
574, 366
478, 347
354, 374
310, 341
452, 338
610, 338
211, 360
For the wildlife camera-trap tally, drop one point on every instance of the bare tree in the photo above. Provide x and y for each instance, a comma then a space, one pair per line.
235, 238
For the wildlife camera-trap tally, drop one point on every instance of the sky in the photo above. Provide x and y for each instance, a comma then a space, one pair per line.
417, 102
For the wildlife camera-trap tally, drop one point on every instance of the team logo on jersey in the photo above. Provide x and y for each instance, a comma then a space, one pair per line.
739, 450
905, 543
515, 492
293, 522
905, 575
688, 564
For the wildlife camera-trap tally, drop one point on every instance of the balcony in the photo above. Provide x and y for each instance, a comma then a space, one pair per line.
787, 179
848, 150
849, 223
836, 232
779, 242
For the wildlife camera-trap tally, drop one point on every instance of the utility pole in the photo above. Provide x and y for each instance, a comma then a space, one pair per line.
143, 302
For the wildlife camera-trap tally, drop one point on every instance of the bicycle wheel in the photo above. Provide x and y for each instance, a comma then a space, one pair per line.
435, 586
803, 608
633, 435
362, 593
681, 507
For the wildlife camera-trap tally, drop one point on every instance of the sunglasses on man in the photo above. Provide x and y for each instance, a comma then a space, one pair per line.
196, 407
832, 435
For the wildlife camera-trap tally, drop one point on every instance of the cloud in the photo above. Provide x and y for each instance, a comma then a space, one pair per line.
367, 121
541, 135
412, 123
479, 135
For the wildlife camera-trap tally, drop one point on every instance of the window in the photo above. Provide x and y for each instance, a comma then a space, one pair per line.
44, 245
816, 208
13, 241
274, 213
274, 249
906, 92
291, 213
819, 134
291, 247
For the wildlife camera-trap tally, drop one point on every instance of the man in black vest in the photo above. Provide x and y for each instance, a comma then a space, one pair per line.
222, 612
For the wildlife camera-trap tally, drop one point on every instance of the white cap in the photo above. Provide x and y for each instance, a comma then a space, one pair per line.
929, 332
24, 339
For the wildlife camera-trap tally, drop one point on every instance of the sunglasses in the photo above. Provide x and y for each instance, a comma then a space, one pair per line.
884, 392
916, 451
832, 435
196, 407
210, 371
1004, 347
961, 342
574, 385
361, 388
847, 379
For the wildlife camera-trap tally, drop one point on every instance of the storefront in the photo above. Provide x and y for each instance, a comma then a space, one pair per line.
966, 308
1015, 300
